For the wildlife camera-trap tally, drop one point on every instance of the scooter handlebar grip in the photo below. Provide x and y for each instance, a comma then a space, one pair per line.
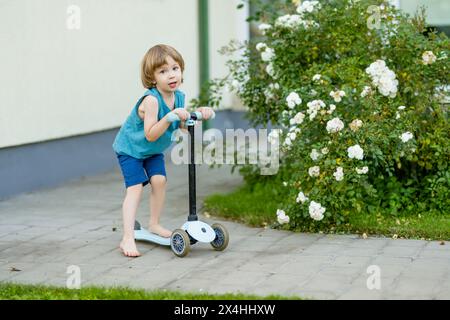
172, 117
198, 115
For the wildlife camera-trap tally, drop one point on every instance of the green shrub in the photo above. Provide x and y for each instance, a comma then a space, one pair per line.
355, 87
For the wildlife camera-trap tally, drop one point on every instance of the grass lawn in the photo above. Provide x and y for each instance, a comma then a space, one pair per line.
258, 208
12, 291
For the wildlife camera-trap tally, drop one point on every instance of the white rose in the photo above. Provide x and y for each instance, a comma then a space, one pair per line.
282, 217
287, 142
355, 125
383, 78
332, 108
406, 136
298, 119
307, 6
314, 155
335, 125
289, 21
301, 198
316, 211
314, 107
363, 170
292, 135
339, 173
268, 54
270, 71
263, 27
337, 95
295, 129
274, 136
314, 171
261, 46
355, 152
293, 99
428, 57
367, 90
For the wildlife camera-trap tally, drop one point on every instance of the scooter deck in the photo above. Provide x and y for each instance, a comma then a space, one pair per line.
145, 235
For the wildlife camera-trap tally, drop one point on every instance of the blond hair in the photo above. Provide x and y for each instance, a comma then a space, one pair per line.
154, 58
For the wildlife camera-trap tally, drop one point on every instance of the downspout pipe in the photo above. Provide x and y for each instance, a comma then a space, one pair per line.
203, 40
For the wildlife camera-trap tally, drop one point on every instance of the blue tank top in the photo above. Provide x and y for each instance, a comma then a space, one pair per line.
130, 139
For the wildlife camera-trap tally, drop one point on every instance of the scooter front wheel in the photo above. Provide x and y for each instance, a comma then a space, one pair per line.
222, 238
180, 243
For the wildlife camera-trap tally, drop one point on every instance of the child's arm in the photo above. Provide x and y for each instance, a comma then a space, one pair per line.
152, 127
183, 125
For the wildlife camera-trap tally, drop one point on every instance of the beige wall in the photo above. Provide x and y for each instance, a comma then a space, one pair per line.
56, 82
438, 11
225, 23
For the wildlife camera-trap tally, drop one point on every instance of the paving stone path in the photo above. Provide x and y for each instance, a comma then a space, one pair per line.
44, 232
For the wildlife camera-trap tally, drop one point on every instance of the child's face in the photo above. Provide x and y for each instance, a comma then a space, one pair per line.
168, 76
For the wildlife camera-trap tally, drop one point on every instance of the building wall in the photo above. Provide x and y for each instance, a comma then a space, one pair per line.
58, 82
65, 91
226, 23
438, 11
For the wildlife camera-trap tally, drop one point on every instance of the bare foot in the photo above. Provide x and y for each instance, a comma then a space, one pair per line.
159, 230
128, 248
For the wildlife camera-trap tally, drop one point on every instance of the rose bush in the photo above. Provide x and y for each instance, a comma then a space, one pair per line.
356, 87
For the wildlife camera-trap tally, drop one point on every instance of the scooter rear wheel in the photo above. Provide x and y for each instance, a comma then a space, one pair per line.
222, 238
180, 243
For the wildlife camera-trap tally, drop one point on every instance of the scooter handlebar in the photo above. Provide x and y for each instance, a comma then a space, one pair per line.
197, 115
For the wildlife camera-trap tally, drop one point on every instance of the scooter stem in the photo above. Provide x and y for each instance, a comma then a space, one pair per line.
192, 194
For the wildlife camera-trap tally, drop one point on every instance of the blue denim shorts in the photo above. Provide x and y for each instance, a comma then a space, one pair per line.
139, 171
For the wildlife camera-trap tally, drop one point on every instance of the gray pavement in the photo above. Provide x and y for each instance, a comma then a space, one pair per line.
44, 232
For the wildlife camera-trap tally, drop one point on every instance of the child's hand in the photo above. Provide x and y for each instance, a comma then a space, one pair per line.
181, 113
206, 112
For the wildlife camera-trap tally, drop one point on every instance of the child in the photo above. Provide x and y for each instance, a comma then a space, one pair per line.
145, 135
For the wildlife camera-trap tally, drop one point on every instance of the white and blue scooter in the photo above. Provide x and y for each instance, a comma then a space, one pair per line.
192, 230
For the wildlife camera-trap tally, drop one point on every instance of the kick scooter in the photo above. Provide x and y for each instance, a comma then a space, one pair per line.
193, 230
